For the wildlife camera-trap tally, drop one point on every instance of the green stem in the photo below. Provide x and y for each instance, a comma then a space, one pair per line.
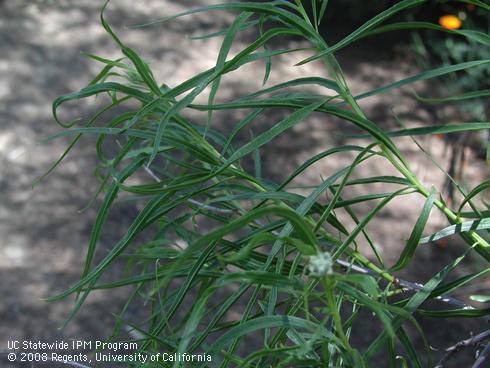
329, 285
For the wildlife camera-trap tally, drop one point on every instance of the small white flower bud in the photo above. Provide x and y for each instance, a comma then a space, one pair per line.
320, 264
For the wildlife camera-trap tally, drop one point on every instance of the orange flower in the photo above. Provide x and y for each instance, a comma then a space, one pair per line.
449, 21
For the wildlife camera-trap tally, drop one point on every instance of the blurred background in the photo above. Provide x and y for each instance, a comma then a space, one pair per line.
43, 234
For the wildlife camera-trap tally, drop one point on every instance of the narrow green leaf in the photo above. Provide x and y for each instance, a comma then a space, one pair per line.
223, 53
293, 119
414, 303
455, 313
425, 75
475, 191
409, 249
472, 35
142, 68
261, 323
480, 298
370, 24
341, 248
457, 98
429, 130
457, 229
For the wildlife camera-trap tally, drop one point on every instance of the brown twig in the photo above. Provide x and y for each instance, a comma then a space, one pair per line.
483, 357
472, 341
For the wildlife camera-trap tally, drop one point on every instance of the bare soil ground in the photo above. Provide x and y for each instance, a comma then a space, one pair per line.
43, 237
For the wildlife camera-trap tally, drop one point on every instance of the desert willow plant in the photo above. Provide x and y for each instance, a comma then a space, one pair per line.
226, 240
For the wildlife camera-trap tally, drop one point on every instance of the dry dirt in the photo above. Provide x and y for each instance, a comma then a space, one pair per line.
44, 237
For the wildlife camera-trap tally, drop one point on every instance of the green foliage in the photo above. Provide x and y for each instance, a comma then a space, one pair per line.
468, 89
220, 239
